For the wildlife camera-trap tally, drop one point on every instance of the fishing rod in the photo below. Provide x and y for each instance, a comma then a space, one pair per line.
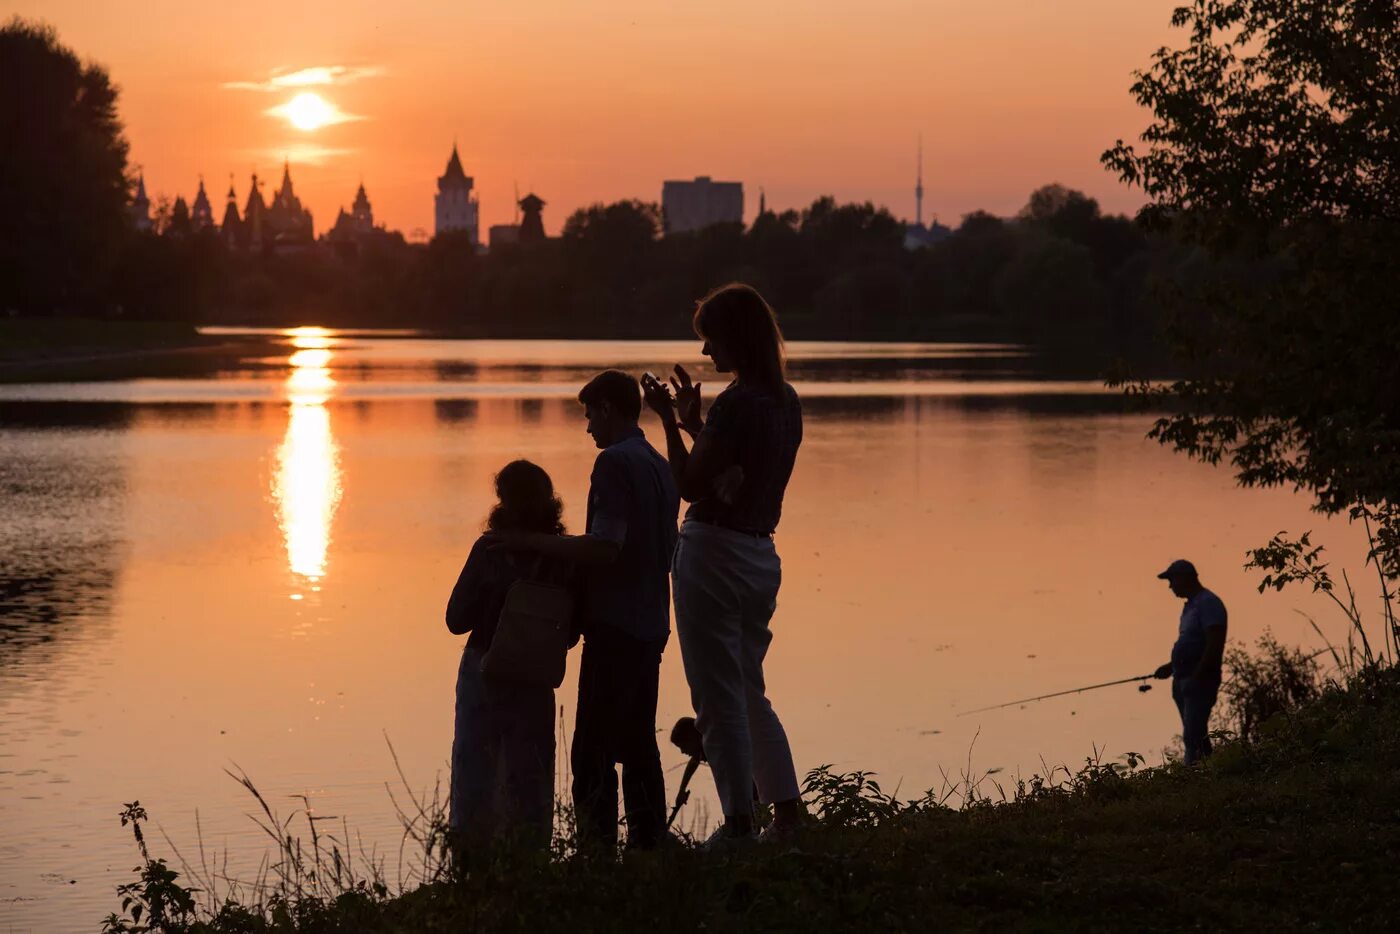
1091, 687
1095, 687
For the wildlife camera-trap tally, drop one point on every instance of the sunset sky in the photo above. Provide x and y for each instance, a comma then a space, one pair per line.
584, 102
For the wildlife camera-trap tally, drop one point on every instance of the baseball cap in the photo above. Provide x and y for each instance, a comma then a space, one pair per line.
1179, 568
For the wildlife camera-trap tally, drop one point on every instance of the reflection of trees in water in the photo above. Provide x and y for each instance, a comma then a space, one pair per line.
454, 411
449, 371
920, 408
63, 494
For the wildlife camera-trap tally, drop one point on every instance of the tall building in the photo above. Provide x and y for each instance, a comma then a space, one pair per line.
697, 204
454, 206
140, 208
202, 214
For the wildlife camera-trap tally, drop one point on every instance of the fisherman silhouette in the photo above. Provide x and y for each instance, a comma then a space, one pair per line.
1196, 657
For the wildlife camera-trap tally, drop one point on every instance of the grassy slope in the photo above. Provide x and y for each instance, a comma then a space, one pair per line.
1297, 832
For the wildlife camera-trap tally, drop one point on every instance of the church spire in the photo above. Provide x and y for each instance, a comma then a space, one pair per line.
454, 175
140, 207
232, 225
201, 213
286, 190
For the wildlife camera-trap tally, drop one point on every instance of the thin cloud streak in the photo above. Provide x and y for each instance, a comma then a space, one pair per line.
315, 76
296, 154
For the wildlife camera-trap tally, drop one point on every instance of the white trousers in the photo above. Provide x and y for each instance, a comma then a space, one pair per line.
726, 588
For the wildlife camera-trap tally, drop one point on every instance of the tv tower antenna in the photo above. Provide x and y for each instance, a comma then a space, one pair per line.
919, 186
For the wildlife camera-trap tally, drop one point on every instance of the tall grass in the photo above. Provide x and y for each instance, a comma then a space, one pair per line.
320, 876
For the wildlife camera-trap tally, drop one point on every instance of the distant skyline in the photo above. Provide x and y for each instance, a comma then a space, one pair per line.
585, 103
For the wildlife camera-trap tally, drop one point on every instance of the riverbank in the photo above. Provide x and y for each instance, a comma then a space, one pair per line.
81, 349
1297, 830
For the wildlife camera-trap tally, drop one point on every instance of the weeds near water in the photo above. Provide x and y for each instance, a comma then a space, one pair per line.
1276, 681
1286, 561
156, 901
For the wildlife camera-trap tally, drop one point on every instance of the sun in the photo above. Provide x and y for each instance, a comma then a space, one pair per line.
308, 111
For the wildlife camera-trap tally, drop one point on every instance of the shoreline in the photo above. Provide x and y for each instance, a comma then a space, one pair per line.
1293, 830
86, 350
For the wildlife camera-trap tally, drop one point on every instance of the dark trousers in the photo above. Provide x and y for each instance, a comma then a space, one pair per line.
616, 724
1194, 702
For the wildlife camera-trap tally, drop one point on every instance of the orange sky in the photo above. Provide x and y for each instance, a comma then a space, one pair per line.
595, 101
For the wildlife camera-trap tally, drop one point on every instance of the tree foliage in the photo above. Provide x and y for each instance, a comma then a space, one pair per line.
833, 270
63, 185
1274, 149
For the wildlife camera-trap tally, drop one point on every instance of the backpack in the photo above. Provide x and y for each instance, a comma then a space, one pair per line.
533, 633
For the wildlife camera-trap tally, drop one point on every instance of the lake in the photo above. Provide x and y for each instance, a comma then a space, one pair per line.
248, 570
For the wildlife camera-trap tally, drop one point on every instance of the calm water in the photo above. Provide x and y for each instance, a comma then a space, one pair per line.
251, 568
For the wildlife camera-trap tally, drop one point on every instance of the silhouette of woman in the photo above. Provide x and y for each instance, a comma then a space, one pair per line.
503, 743
726, 569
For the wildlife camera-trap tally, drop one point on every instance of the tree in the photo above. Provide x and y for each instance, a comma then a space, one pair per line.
63, 185
608, 250
1274, 148
1049, 291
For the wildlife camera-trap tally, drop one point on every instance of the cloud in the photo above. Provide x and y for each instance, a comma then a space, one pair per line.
297, 154
316, 76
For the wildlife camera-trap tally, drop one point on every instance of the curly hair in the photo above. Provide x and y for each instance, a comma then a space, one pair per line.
526, 501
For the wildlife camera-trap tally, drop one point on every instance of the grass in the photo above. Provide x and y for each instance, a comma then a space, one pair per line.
1295, 826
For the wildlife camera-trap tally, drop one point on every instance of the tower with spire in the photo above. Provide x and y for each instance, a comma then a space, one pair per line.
455, 207
919, 186
353, 226
916, 235
201, 214
288, 223
254, 214
232, 227
140, 207
360, 211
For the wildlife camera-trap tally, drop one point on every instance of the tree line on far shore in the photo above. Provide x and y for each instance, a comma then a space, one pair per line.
1060, 273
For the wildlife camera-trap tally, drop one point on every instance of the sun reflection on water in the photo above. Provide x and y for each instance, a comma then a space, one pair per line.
307, 484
